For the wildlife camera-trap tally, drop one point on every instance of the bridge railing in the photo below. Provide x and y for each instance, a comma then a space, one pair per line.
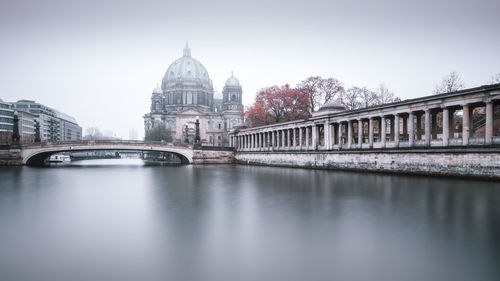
109, 142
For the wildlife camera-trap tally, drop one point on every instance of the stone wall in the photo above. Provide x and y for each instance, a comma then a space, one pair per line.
471, 163
10, 157
213, 157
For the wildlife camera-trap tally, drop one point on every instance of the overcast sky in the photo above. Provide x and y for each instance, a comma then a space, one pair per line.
99, 60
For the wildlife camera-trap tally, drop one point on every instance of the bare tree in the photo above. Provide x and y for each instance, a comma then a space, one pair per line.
450, 83
367, 98
384, 95
330, 89
351, 98
495, 79
321, 90
158, 133
92, 133
311, 86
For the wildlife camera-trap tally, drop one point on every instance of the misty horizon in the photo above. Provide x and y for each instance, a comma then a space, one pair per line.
99, 62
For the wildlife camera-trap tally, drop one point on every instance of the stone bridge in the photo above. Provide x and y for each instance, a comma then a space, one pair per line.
454, 132
35, 153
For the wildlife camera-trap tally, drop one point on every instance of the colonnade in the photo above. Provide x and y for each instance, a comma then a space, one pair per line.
428, 126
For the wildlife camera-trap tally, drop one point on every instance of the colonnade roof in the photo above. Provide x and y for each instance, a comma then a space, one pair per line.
485, 89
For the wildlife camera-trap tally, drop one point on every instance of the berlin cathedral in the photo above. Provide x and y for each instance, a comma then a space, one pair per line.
187, 93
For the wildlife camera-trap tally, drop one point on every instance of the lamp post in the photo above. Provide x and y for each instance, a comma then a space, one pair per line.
197, 142
15, 132
186, 131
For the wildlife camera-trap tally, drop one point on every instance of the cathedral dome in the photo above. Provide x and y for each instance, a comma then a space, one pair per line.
186, 68
232, 81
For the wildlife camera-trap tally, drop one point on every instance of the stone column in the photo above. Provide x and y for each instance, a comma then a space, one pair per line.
433, 125
340, 134
283, 144
288, 139
360, 133
411, 130
405, 126
272, 140
396, 130
419, 126
349, 134
382, 131
428, 127
446, 127
488, 133
451, 120
300, 137
294, 138
465, 125
314, 137
391, 128
370, 132
326, 135
307, 137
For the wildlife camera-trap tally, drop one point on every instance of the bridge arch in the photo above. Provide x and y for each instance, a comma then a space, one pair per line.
34, 156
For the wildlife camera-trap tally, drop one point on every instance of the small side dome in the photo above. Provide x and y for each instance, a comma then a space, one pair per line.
157, 90
330, 107
232, 81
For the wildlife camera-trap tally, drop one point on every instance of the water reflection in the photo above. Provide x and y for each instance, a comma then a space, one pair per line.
244, 223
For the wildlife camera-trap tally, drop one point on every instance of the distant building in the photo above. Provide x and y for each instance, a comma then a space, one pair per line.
54, 125
6, 122
26, 126
187, 92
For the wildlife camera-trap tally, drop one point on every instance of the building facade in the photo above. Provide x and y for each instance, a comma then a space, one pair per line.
187, 93
26, 126
6, 122
54, 125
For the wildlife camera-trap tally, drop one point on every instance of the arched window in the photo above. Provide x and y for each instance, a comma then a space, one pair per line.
219, 126
157, 105
233, 98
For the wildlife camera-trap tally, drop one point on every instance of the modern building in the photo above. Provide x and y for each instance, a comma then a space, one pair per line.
186, 93
6, 122
26, 126
54, 125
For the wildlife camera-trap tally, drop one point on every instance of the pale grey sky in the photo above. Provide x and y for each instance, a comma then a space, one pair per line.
100, 60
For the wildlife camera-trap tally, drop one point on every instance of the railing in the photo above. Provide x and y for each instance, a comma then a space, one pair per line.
109, 142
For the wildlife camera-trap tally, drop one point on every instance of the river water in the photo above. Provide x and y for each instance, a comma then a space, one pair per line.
119, 220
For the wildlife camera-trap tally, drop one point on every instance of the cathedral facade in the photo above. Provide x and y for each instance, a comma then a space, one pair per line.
187, 93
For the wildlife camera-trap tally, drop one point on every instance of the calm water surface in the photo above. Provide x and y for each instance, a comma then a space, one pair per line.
118, 220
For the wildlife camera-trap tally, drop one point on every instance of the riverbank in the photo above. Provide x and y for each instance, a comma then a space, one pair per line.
471, 163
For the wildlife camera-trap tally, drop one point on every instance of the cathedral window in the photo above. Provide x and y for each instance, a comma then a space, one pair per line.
233, 98
157, 106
